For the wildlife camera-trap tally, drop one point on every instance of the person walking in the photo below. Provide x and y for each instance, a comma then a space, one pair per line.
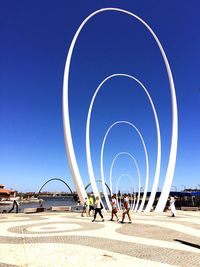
85, 207
15, 204
172, 205
98, 207
91, 204
114, 208
126, 208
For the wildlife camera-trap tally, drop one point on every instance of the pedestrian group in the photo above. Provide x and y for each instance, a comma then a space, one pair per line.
95, 205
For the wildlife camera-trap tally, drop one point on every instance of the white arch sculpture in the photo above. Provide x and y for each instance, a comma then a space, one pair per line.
138, 172
66, 120
145, 152
88, 153
117, 186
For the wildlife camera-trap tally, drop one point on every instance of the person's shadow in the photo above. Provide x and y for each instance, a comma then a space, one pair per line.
188, 243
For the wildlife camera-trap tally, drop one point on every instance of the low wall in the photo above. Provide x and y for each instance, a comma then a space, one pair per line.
61, 208
190, 208
33, 210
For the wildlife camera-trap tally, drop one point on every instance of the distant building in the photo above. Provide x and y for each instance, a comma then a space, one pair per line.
5, 192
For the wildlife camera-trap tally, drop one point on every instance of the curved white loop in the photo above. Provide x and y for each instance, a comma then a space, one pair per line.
66, 120
158, 160
145, 151
117, 186
138, 172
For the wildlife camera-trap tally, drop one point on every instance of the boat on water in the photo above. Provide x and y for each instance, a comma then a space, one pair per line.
8, 201
32, 200
5, 202
36, 200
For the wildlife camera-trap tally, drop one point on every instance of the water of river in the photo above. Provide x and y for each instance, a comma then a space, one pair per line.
47, 204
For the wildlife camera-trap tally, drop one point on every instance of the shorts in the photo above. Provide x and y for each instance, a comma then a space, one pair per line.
126, 211
115, 210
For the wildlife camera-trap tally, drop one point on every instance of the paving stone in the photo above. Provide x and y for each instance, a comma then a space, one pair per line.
176, 247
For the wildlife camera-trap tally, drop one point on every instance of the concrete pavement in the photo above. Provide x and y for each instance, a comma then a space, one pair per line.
67, 239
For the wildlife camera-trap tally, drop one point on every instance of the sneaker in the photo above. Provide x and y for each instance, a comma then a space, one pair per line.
130, 222
111, 220
102, 220
82, 215
93, 220
121, 222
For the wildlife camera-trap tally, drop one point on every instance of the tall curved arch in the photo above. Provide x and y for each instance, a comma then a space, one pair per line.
66, 120
101, 182
117, 186
145, 152
55, 179
138, 172
88, 153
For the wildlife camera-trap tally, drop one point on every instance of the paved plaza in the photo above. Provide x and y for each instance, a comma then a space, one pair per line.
67, 239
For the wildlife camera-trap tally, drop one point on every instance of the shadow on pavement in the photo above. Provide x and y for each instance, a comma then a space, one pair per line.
188, 243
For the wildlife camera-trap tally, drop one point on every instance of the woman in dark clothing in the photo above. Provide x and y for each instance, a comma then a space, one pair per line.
15, 204
98, 208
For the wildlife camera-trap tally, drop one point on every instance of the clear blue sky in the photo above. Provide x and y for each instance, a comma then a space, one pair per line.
34, 40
